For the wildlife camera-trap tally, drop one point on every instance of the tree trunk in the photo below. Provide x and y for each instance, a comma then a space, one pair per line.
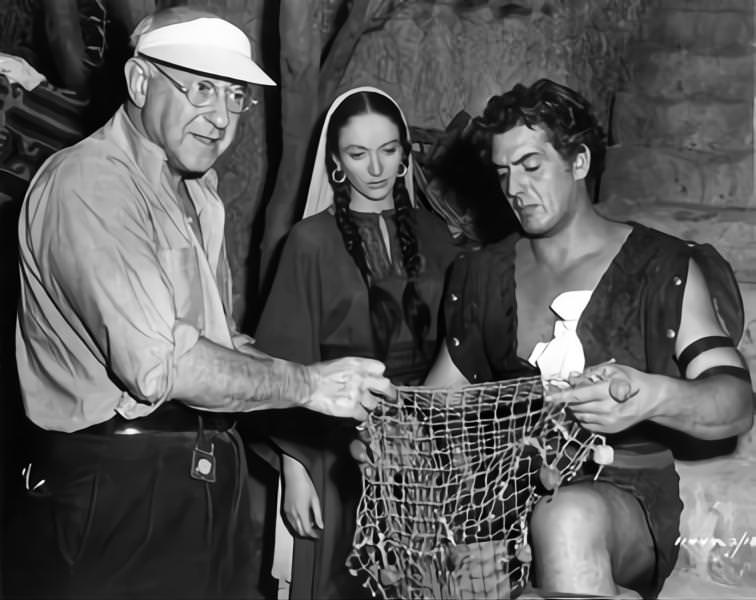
341, 51
300, 67
303, 80
66, 44
364, 15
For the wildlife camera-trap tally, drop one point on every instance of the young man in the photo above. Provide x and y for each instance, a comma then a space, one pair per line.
128, 359
633, 304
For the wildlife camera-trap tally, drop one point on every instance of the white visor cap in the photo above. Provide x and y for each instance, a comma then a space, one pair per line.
208, 45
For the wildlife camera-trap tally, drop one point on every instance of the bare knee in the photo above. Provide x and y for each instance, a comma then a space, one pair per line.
576, 513
570, 537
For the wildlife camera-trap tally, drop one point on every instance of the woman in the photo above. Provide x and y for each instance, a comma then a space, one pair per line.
362, 274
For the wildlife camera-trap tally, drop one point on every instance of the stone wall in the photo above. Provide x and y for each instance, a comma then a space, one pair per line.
683, 127
683, 162
437, 58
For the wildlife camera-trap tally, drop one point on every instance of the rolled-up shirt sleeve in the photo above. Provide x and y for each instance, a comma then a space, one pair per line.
103, 259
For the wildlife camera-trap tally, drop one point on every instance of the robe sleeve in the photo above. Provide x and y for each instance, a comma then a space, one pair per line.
289, 328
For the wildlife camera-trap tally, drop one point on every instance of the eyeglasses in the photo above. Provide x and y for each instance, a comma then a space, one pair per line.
203, 93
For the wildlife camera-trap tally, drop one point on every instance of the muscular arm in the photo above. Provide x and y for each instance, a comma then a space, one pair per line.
711, 407
708, 407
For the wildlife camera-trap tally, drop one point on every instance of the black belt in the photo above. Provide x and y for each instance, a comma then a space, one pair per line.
168, 417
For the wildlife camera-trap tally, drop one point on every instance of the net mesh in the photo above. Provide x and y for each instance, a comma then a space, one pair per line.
450, 482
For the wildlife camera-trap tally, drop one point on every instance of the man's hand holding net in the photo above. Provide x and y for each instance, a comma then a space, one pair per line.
450, 477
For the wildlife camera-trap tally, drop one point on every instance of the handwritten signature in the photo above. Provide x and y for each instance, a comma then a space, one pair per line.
733, 544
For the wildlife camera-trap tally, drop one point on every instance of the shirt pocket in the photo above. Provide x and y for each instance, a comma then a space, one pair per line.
182, 271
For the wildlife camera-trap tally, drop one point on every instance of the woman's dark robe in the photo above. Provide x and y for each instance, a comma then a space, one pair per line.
318, 310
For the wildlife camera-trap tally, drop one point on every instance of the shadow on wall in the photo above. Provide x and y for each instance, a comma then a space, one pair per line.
457, 184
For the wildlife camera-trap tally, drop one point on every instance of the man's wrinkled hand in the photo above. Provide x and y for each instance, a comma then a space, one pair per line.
347, 387
608, 398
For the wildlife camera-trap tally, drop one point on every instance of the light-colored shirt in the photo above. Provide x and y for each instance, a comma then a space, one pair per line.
115, 286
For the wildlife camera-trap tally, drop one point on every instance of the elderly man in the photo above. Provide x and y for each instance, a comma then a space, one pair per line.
577, 289
128, 358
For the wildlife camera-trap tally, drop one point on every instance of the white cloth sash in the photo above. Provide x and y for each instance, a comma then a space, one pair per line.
563, 355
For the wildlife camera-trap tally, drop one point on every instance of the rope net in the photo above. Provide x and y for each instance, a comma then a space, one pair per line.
451, 479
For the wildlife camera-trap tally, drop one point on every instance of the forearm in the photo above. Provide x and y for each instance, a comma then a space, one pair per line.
213, 377
711, 408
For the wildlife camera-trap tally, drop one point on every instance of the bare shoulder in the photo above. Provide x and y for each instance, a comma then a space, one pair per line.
610, 236
618, 231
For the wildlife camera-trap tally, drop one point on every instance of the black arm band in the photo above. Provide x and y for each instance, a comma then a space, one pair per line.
738, 372
699, 347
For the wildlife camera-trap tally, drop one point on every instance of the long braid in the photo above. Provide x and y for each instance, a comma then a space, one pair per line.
349, 232
416, 312
385, 314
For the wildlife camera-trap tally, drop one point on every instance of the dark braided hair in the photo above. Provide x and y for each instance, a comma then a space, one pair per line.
385, 314
565, 116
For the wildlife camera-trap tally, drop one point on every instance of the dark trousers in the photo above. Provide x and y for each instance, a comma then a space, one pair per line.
120, 517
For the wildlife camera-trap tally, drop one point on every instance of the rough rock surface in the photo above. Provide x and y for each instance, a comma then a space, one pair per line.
684, 164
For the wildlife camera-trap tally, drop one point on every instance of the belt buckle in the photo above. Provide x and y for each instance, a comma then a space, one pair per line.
128, 430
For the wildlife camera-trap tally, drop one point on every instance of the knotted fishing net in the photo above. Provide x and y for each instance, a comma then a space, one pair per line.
452, 477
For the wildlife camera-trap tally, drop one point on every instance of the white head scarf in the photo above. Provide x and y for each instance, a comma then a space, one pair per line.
320, 193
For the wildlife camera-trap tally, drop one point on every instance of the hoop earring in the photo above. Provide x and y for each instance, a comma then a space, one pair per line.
402, 170
336, 179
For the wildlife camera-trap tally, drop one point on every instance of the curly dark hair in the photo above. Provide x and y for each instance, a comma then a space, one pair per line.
385, 314
566, 117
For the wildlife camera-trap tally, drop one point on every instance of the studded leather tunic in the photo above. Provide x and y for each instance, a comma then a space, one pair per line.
633, 316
